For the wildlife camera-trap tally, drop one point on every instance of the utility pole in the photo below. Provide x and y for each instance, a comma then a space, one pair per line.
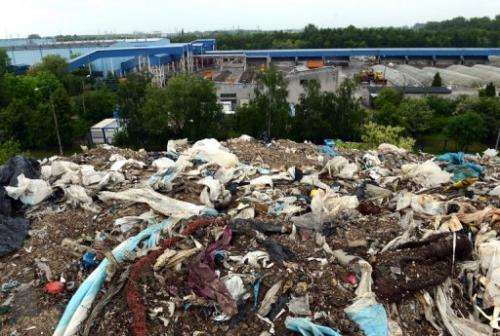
83, 98
498, 140
83, 95
56, 124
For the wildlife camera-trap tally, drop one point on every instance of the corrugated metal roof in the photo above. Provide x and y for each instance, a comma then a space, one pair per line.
106, 123
412, 89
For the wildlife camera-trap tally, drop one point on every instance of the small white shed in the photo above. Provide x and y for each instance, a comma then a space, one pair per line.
105, 130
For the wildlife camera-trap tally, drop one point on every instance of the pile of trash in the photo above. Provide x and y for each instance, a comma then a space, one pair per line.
250, 238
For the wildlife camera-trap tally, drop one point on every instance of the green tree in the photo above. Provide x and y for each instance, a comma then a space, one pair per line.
270, 105
466, 129
489, 109
441, 106
309, 121
4, 65
344, 112
388, 95
415, 116
488, 91
41, 123
58, 66
272, 91
250, 119
437, 81
28, 116
20, 100
186, 107
131, 96
9, 149
53, 64
193, 100
96, 105
4, 62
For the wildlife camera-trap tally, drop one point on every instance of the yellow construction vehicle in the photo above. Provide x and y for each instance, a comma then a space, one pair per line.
370, 76
379, 78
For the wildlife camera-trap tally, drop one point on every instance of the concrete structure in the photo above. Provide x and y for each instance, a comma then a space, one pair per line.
239, 93
409, 91
404, 55
327, 77
26, 42
104, 131
236, 94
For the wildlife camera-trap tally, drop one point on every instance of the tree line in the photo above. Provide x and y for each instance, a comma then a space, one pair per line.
457, 32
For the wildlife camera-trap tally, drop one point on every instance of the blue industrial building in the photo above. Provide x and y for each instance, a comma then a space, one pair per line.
121, 57
367, 52
198, 50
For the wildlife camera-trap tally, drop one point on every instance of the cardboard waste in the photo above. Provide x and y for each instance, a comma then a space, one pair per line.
250, 238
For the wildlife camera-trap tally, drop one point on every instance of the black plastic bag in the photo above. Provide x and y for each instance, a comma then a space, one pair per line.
13, 231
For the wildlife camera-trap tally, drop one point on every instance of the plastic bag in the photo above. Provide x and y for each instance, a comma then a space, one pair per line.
162, 163
329, 148
454, 158
422, 204
389, 148
173, 144
211, 151
305, 327
13, 231
213, 192
158, 202
455, 325
369, 315
459, 167
28, 191
76, 196
427, 174
339, 166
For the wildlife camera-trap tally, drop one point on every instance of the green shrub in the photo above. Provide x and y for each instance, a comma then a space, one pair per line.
351, 145
9, 149
374, 135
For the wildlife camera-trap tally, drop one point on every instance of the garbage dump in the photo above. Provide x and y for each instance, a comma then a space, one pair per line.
250, 238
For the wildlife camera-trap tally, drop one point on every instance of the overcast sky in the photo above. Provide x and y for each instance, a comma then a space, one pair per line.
18, 18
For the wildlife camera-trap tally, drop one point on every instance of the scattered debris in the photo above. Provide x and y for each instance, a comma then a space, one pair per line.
250, 238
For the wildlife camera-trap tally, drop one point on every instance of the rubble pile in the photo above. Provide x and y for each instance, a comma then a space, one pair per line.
250, 238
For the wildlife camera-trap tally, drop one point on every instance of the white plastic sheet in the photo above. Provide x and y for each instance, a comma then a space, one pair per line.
490, 153
422, 204
455, 325
173, 144
211, 151
325, 205
427, 174
29, 191
389, 148
162, 163
339, 166
158, 202
213, 192
77, 196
